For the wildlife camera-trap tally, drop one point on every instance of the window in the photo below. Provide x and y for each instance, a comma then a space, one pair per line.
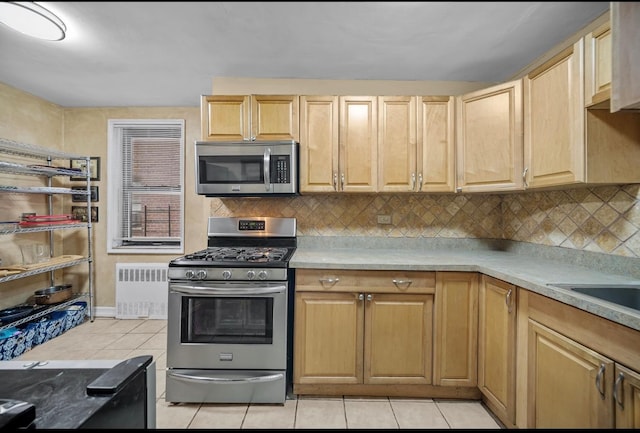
146, 188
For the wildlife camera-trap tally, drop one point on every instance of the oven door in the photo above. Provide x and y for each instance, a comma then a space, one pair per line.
225, 325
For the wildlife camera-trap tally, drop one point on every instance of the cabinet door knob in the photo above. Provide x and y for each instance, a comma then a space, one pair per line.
619, 389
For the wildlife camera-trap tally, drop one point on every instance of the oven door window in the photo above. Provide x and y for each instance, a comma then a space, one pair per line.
228, 320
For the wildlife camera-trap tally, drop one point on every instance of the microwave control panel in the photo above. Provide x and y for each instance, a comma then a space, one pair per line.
280, 169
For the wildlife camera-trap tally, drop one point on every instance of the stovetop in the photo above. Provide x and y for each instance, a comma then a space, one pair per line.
237, 257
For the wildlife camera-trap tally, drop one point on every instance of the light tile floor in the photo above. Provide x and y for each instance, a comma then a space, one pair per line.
121, 339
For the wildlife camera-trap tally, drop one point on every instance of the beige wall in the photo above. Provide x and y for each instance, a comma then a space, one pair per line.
604, 219
86, 131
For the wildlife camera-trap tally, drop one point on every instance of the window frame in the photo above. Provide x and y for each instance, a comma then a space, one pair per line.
114, 186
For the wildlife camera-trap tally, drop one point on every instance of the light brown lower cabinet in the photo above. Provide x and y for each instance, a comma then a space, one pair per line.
582, 370
497, 347
365, 333
456, 330
568, 382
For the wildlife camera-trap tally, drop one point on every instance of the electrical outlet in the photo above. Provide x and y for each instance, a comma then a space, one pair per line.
384, 219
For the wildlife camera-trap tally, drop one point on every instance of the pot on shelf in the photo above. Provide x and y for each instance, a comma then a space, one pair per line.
53, 294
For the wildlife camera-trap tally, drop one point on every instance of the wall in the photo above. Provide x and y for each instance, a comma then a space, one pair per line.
86, 128
603, 219
25, 118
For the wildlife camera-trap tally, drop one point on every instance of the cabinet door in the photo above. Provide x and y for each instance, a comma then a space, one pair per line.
398, 339
225, 118
275, 117
625, 34
358, 144
456, 329
627, 397
597, 71
569, 384
554, 139
318, 143
435, 144
397, 143
328, 338
489, 141
497, 346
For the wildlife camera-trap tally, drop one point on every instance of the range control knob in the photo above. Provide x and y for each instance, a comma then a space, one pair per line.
226, 275
262, 275
190, 274
251, 274
201, 274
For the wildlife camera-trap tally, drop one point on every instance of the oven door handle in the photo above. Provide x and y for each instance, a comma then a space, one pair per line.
213, 291
190, 378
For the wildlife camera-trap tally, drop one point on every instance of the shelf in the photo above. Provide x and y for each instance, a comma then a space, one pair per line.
40, 190
17, 229
33, 151
44, 311
46, 223
38, 170
49, 266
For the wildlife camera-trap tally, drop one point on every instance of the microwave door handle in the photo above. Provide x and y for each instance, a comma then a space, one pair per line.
267, 168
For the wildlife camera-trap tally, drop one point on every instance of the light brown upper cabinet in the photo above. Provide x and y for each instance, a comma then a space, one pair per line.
415, 144
625, 40
249, 117
597, 69
566, 144
338, 143
407, 146
489, 139
319, 143
358, 144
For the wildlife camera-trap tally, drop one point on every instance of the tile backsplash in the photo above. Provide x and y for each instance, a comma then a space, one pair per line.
603, 219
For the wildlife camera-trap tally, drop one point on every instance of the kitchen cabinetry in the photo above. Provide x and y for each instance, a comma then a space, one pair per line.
566, 144
249, 117
358, 152
319, 143
497, 347
574, 360
597, 59
456, 329
415, 144
489, 140
376, 144
625, 34
338, 144
16, 163
362, 332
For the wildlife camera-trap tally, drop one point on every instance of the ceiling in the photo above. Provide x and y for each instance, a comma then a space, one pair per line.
167, 53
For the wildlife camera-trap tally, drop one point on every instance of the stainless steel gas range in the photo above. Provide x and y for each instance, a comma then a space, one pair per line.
229, 317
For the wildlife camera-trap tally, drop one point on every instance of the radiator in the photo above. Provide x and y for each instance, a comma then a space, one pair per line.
141, 290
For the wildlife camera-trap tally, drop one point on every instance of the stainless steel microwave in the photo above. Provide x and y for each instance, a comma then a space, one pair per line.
247, 168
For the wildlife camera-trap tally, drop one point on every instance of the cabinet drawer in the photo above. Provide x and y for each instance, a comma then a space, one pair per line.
341, 280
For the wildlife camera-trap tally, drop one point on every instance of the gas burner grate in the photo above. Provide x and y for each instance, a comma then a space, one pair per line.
235, 254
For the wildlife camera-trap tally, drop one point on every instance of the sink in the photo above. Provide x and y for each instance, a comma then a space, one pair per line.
627, 295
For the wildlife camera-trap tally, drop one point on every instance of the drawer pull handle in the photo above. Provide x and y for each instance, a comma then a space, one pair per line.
328, 282
402, 284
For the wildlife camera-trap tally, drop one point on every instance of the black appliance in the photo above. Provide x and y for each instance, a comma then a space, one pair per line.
230, 313
83, 394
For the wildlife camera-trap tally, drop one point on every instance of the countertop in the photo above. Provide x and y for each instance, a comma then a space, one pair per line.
59, 390
535, 268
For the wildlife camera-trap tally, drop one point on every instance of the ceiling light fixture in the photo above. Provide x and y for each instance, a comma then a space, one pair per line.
33, 20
